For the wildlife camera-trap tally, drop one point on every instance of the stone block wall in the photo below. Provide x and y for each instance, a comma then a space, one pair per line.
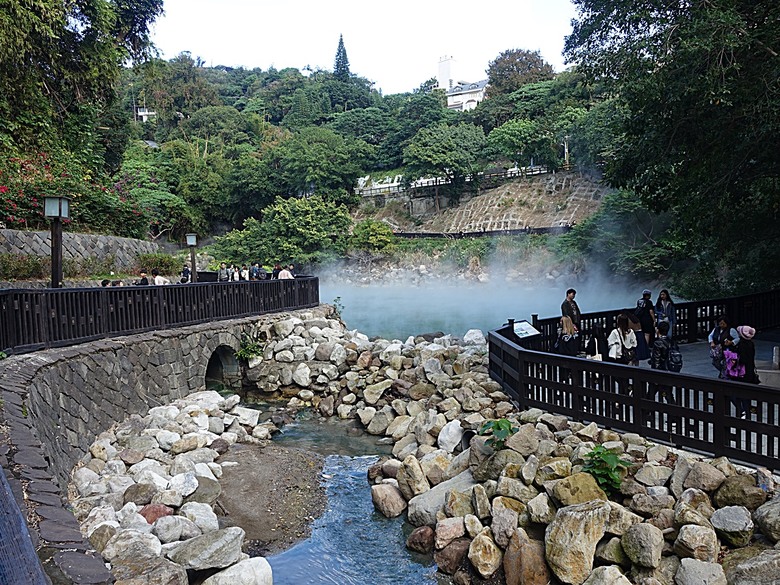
54, 403
77, 247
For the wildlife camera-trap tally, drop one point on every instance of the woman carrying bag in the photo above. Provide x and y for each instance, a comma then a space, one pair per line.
622, 342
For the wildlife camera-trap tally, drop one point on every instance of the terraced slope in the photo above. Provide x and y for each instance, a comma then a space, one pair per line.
540, 201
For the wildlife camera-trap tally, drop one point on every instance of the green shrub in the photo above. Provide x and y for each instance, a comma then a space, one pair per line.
23, 267
89, 267
164, 263
500, 430
249, 348
606, 467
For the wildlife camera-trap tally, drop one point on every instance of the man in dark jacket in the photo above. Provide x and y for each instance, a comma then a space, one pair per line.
570, 309
659, 356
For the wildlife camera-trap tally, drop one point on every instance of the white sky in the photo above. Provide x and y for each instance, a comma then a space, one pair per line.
396, 44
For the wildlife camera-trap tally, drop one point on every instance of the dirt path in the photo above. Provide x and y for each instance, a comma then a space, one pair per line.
274, 494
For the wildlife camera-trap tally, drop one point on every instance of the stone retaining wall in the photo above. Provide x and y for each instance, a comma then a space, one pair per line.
77, 247
54, 403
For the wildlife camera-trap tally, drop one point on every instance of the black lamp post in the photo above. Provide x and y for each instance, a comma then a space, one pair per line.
57, 209
192, 241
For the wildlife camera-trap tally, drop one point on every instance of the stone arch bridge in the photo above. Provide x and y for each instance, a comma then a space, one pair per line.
54, 402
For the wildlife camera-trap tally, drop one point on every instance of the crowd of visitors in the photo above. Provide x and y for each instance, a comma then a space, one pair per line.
647, 334
225, 273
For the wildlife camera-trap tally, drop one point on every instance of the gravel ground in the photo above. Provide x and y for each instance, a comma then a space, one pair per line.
274, 494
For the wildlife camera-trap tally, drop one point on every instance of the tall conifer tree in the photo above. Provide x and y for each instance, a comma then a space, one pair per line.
341, 65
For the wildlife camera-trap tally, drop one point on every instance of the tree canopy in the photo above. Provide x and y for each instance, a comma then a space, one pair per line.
514, 68
341, 62
700, 85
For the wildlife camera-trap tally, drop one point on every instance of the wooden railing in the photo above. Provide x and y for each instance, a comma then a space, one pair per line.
685, 411
32, 319
694, 321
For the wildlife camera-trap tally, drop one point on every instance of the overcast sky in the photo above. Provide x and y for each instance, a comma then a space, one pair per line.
396, 44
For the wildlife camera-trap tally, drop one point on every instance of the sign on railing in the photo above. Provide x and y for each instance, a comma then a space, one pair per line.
32, 319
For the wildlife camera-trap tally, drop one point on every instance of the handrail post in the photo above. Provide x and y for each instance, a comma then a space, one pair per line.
691, 324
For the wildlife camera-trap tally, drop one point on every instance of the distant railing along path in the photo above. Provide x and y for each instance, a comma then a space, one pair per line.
33, 319
562, 229
697, 413
433, 182
695, 319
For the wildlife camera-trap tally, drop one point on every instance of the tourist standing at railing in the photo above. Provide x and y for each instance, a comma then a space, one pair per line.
244, 274
185, 274
143, 281
664, 311
597, 344
646, 314
570, 308
717, 336
568, 342
741, 364
223, 275
277, 269
285, 274
622, 342
159, 279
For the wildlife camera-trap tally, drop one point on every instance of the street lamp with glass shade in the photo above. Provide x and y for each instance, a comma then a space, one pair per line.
56, 208
192, 241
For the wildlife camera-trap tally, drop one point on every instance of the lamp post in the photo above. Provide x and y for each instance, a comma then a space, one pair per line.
57, 209
192, 241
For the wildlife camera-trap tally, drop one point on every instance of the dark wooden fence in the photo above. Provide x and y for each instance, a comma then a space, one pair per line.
685, 411
695, 319
32, 319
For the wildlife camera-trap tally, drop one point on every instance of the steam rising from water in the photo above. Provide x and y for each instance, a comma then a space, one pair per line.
395, 312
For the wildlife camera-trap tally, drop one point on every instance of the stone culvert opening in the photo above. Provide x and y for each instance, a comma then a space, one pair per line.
223, 370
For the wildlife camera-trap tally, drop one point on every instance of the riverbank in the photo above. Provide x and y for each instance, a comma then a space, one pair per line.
483, 510
274, 493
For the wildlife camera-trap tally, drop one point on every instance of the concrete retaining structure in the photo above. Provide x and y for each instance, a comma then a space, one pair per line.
77, 247
55, 402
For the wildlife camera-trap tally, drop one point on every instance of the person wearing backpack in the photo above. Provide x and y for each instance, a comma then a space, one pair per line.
659, 360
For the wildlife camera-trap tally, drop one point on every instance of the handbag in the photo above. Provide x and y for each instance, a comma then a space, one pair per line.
596, 356
627, 354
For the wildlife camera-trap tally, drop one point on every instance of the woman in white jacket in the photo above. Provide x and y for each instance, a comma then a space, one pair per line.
622, 342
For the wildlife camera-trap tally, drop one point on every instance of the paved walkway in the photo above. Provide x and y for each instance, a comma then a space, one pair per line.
696, 357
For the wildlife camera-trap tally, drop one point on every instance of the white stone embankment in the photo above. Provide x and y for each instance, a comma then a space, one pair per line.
527, 513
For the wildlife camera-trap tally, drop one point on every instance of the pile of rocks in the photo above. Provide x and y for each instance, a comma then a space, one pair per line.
433, 271
523, 514
145, 494
529, 514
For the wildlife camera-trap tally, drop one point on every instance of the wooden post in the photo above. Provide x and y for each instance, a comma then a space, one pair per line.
56, 252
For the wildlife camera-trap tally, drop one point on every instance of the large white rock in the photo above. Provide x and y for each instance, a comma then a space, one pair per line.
423, 507
246, 416
253, 571
474, 337
302, 375
201, 514
571, 538
450, 436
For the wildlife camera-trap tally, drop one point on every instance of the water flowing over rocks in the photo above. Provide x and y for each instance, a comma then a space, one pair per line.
525, 514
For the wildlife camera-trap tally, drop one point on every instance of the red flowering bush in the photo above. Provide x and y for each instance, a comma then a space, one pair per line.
24, 182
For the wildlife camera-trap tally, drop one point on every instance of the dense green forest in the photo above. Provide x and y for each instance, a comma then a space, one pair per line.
677, 105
